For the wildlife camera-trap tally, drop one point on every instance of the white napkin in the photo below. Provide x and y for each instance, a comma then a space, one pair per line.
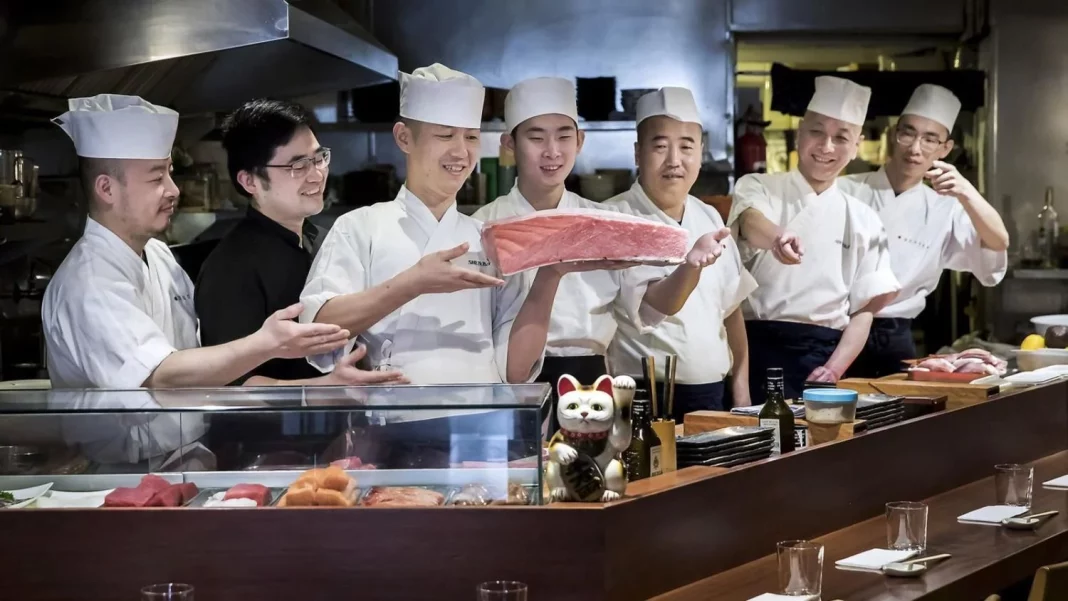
774, 597
991, 515
1061, 482
874, 559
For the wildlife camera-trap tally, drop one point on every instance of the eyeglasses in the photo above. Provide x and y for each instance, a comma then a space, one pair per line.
299, 169
928, 142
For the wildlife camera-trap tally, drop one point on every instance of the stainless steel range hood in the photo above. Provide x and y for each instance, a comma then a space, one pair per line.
191, 55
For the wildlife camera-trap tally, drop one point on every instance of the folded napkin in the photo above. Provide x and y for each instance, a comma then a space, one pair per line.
1061, 482
874, 559
992, 514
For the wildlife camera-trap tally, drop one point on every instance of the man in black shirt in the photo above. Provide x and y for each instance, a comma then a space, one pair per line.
275, 161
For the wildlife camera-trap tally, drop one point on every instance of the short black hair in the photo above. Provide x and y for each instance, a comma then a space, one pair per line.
91, 168
253, 133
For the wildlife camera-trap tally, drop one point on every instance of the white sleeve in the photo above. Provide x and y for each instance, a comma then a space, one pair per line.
738, 282
107, 333
337, 269
634, 282
964, 251
749, 193
507, 301
874, 275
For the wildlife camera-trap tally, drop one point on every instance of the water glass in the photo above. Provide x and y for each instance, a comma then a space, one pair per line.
1013, 483
502, 590
906, 526
167, 592
800, 568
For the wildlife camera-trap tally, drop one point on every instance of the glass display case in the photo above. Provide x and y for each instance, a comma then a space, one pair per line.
279, 446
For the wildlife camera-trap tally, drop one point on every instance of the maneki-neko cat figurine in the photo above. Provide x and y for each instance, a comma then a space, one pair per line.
595, 428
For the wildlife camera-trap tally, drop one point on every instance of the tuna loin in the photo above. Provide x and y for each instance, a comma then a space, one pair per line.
565, 235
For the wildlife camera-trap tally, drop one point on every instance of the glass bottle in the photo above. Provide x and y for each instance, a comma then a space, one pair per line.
1049, 229
777, 414
643, 458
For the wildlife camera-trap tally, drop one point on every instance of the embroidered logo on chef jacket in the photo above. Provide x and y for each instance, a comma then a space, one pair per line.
914, 242
181, 298
845, 245
477, 261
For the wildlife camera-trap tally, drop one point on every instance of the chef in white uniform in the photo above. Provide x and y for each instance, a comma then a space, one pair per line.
541, 116
119, 311
947, 225
708, 333
820, 256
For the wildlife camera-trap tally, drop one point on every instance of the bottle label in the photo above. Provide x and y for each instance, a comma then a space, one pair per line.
800, 437
656, 467
776, 444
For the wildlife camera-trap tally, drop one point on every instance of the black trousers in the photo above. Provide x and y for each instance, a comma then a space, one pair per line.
889, 343
689, 397
795, 347
586, 369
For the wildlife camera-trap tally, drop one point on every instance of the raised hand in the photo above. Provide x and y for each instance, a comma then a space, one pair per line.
288, 339
787, 248
945, 179
347, 374
707, 249
435, 273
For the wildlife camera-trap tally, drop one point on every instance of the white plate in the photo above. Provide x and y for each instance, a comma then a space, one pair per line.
1031, 378
25, 496
82, 500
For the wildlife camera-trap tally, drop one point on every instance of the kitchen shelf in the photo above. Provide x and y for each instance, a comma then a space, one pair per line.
487, 126
1040, 274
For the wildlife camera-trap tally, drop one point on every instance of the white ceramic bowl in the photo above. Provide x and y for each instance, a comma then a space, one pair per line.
1032, 360
1043, 322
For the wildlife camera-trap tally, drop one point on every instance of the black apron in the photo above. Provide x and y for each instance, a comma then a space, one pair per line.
689, 397
889, 343
586, 369
795, 347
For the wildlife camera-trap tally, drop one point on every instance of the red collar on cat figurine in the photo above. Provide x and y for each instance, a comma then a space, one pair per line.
571, 435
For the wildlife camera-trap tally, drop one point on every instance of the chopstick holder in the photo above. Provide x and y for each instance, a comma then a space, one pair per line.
665, 430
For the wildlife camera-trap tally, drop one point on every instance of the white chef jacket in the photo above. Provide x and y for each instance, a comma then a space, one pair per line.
846, 260
584, 314
447, 338
696, 334
928, 232
109, 319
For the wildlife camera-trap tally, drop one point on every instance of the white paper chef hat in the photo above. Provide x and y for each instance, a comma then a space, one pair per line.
113, 126
935, 103
440, 95
840, 99
540, 96
677, 103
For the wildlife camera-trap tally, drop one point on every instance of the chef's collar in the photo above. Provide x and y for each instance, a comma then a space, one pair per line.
525, 208
649, 207
418, 211
130, 262
270, 225
806, 188
882, 184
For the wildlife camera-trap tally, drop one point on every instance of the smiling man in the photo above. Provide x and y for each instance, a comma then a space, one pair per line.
119, 311
259, 267
541, 116
947, 225
819, 255
707, 333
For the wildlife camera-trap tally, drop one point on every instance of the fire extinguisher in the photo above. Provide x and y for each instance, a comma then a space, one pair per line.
751, 150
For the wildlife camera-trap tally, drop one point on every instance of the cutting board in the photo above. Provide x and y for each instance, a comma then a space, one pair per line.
958, 395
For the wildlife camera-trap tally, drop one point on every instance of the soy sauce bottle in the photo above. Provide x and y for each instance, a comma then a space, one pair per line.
777, 414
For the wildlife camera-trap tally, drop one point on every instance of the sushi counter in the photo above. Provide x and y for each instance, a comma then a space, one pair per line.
409, 525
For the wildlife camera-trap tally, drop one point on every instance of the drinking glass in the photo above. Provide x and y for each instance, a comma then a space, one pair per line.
906, 526
167, 592
1013, 482
502, 590
800, 568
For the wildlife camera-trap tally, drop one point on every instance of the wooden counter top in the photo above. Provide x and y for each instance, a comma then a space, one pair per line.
984, 559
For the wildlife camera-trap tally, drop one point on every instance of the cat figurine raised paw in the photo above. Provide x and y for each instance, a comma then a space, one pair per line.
595, 428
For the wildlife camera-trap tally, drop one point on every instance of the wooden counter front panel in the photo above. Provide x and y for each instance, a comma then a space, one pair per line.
725, 521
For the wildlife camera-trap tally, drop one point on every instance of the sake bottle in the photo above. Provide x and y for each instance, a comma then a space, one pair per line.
777, 414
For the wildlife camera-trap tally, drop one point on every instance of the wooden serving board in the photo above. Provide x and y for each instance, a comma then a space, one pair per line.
706, 421
958, 394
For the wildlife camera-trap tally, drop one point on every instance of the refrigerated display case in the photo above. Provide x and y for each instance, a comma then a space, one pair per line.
470, 444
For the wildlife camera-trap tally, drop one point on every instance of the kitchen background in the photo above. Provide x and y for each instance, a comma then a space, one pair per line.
1008, 59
